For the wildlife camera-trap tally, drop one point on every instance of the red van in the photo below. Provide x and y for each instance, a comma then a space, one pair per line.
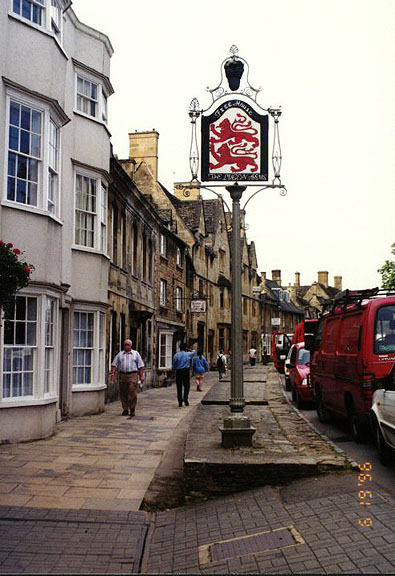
305, 330
353, 350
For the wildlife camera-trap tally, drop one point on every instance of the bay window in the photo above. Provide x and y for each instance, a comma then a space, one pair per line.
90, 95
88, 348
44, 14
33, 155
28, 370
90, 222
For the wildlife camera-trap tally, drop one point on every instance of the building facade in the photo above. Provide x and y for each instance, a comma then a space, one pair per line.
54, 184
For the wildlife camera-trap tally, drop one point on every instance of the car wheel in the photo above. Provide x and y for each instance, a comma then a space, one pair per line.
357, 431
322, 411
299, 401
385, 452
287, 384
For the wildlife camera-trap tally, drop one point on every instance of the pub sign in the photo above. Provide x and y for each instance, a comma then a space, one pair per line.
235, 143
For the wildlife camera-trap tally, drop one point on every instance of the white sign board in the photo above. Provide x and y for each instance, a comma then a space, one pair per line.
276, 321
198, 306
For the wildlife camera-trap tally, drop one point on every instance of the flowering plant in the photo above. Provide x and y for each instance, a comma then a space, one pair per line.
14, 273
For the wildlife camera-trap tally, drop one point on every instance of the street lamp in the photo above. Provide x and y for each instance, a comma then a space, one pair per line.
235, 149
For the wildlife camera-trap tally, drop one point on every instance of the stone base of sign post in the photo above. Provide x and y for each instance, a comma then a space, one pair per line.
237, 431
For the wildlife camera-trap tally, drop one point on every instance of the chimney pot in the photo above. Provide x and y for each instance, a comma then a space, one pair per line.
323, 278
338, 282
297, 279
276, 276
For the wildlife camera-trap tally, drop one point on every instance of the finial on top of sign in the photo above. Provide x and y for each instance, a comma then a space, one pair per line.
236, 69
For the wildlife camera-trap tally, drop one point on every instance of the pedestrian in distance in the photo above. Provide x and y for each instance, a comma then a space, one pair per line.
199, 367
130, 366
252, 356
182, 365
221, 364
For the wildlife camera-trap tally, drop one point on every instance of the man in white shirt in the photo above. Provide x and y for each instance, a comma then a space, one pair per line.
131, 369
252, 355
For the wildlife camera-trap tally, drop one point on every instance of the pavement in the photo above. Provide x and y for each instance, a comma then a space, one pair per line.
92, 500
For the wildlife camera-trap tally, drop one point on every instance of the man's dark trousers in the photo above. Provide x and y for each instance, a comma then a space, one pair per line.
182, 380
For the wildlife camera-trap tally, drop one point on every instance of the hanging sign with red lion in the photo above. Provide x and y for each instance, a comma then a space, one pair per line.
234, 143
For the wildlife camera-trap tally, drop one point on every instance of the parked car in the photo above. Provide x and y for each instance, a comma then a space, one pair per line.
382, 418
352, 352
281, 343
298, 364
286, 371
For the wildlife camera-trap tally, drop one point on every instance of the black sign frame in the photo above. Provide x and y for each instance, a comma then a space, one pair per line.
262, 119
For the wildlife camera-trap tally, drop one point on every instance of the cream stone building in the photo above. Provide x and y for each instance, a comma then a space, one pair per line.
54, 184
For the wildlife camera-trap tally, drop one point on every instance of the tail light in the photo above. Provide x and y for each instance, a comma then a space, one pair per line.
367, 389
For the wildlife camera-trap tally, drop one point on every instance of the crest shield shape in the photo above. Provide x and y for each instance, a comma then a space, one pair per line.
235, 143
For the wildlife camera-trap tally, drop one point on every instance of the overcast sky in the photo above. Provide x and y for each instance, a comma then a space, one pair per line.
330, 65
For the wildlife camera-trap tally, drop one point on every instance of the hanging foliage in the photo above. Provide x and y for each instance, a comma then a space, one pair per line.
14, 273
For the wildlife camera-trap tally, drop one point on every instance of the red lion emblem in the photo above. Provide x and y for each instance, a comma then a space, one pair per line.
239, 142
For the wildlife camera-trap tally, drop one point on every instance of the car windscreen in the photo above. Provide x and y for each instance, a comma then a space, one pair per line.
303, 356
384, 337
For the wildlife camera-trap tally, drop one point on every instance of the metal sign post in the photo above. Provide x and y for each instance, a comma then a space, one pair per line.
235, 149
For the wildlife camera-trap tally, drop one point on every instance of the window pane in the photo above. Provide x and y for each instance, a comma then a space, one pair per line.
17, 384
22, 167
14, 138
32, 194
11, 182
36, 122
21, 191
6, 385
20, 308
25, 142
31, 334
25, 118
14, 113
31, 308
27, 384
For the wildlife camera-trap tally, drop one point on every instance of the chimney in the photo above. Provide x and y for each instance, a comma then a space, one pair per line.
338, 282
297, 279
323, 278
276, 276
144, 146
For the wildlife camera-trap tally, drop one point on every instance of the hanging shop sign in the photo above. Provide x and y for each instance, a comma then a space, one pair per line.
235, 143
198, 306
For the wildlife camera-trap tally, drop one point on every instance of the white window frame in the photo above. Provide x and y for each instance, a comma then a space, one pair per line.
99, 345
179, 257
163, 293
49, 24
102, 96
168, 356
178, 299
163, 245
40, 395
99, 220
48, 115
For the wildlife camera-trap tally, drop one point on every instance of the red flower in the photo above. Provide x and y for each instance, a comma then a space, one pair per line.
27, 270
1, 242
9, 245
16, 251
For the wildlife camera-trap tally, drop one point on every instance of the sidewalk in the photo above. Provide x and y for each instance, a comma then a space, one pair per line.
101, 462
71, 503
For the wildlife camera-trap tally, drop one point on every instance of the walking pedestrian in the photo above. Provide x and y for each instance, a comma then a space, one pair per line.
130, 366
182, 364
221, 364
199, 366
252, 356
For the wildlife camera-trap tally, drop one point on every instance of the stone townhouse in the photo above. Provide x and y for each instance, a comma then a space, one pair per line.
53, 101
133, 240
312, 297
279, 313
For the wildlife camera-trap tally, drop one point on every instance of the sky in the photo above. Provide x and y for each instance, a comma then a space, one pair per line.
328, 63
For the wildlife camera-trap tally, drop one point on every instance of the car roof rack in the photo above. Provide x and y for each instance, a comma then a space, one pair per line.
347, 297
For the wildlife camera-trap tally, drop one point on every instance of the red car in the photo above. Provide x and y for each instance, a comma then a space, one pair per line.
298, 364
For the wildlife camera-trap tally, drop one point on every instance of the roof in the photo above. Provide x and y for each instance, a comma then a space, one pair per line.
190, 212
211, 215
